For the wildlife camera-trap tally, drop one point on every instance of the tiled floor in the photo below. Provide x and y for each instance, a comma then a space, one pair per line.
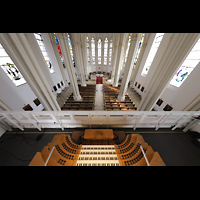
17, 148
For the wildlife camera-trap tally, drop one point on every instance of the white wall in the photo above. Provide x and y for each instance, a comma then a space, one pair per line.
16, 97
180, 97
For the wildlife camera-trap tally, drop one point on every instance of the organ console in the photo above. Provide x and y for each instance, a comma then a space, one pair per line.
98, 147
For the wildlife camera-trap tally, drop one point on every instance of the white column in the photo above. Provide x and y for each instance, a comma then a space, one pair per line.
102, 55
22, 54
160, 74
114, 54
43, 70
96, 55
120, 53
128, 66
84, 54
76, 45
76, 41
63, 40
91, 63
108, 51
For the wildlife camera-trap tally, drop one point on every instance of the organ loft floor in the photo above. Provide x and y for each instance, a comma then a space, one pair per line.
17, 148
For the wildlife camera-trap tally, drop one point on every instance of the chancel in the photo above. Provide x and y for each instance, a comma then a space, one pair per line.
99, 82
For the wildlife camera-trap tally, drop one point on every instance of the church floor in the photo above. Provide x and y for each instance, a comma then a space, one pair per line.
99, 100
174, 147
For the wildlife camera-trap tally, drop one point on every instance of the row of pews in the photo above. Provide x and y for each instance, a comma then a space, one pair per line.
111, 102
68, 153
87, 103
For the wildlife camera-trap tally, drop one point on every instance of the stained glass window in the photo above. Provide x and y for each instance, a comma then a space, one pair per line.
99, 51
10, 69
138, 50
88, 49
110, 52
105, 51
40, 42
187, 66
93, 50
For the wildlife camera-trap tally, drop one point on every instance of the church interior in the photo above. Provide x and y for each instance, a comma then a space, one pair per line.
99, 99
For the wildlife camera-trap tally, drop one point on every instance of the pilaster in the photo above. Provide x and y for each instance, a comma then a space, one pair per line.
84, 54
120, 53
114, 54
76, 41
96, 54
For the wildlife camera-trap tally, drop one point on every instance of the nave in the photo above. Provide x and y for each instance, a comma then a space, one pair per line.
57, 62
98, 97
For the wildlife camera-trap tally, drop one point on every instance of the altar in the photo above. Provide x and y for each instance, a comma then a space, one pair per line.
99, 78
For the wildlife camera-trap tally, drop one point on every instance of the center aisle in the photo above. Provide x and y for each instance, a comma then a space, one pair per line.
99, 101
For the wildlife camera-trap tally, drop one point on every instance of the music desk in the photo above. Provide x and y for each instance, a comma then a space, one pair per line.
98, 134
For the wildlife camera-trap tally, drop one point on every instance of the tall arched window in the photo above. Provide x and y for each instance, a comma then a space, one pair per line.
105, 51
156, 43
93, 51
127, 50
40, 42
99, 51
71, 51
59, 50
110, 52
138, 50
88, 49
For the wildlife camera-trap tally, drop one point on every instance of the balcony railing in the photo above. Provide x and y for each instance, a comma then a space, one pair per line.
90, 119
